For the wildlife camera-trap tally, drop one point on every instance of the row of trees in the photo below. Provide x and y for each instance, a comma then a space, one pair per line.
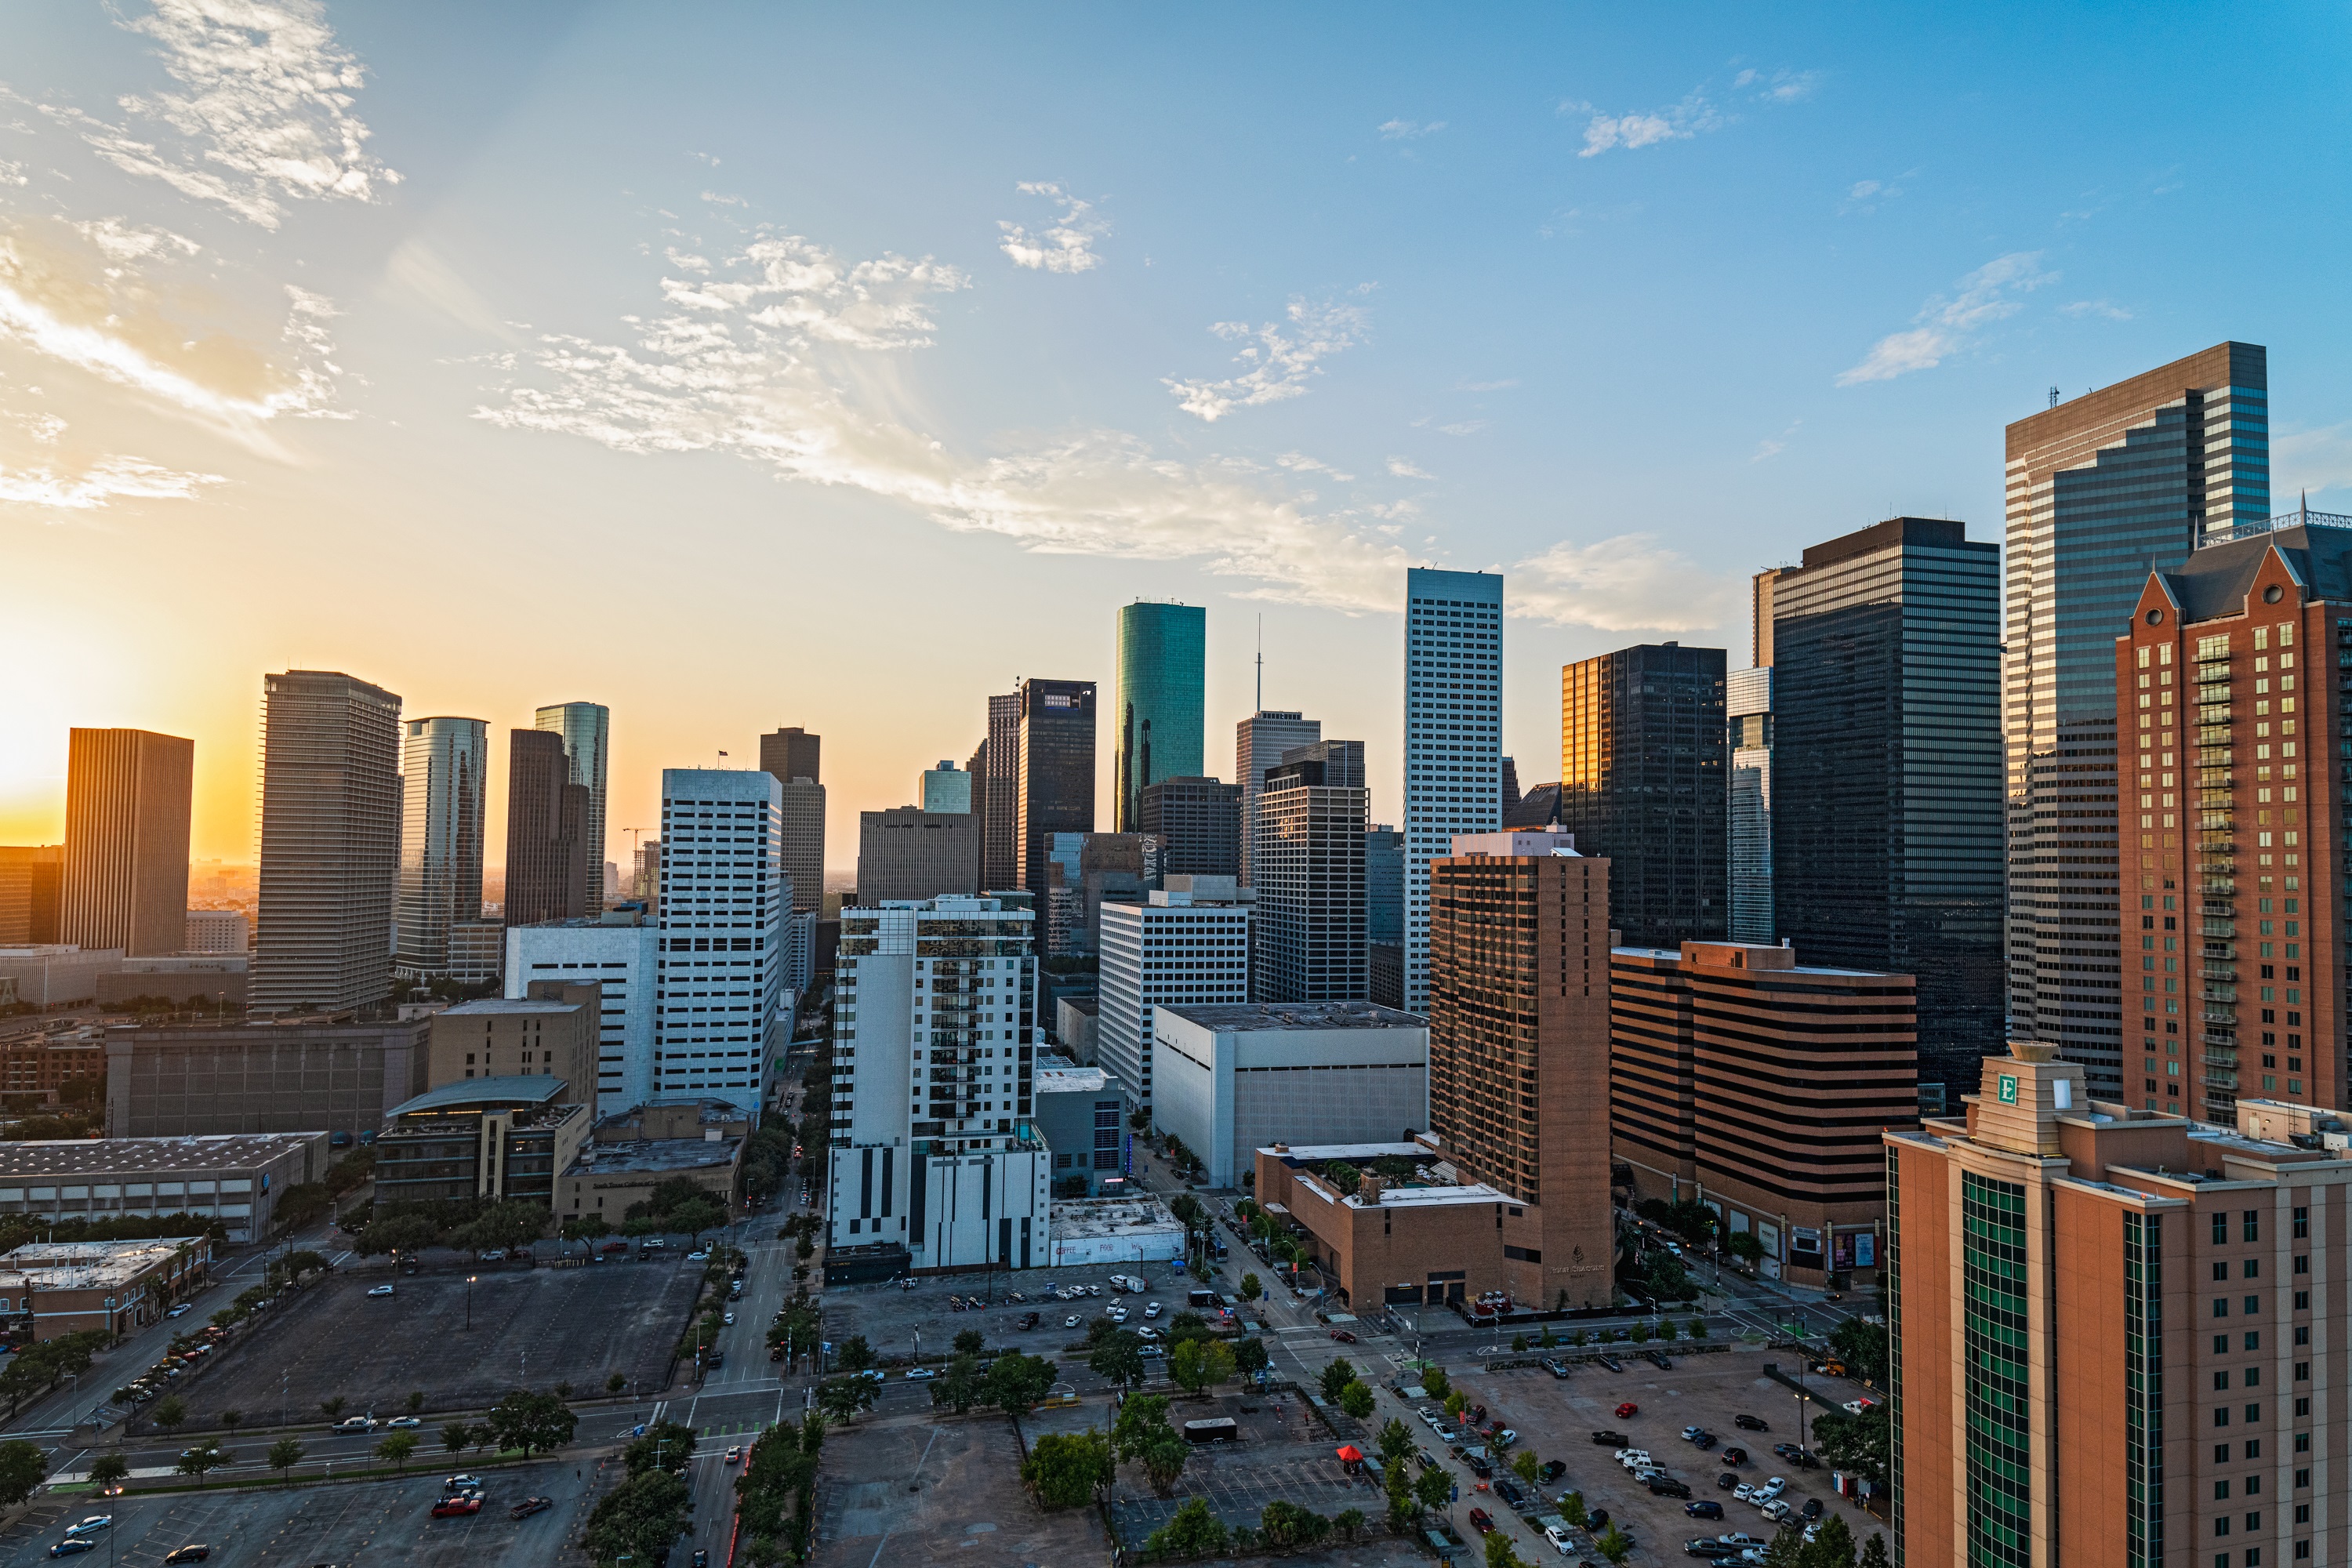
1013, 1383
1193, 1531
1197, 1359
1343, 1388
776, 1493
640, 1518
1639, 1333
465, 1226
42, 1365
305, 1202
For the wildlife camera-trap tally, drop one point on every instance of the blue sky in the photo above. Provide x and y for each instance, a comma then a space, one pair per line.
751, 365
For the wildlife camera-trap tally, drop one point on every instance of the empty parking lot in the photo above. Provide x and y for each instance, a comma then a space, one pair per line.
534, 1327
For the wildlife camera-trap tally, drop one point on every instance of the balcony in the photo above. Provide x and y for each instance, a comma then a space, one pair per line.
2220, 928
2219, 1080
2221, 1013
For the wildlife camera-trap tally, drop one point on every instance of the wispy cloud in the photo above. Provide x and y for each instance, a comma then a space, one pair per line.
421, 274
62, 298
12, 173
2106, 310
1067, 246
1773, 446
263, 108
2315, 459
1869, 195
1627, 583
1464, 427
1409, 130
1281, 359
1405, 468
103, 482
1300, 463
1697, 112
1780, 87
1946, 325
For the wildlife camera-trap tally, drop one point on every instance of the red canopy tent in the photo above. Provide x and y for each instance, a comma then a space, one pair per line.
1350, 1453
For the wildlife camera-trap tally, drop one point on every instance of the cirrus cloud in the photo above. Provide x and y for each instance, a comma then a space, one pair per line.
1281, 359
1067, 246
1946, 325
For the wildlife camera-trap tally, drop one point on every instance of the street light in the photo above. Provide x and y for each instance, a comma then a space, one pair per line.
470, 1303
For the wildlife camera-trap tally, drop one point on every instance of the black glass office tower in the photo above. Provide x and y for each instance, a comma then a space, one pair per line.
2102, 490
1198, 822
1886, 803
1641, 782
1163, 665
1055, 772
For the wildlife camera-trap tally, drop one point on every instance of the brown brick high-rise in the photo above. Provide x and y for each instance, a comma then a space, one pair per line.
1518, 1051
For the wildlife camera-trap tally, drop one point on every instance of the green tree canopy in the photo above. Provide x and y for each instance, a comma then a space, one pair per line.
1861, 1444
666, 1445
23, 1466
1862, 1347
1068, 1470
639, 1519
1198, 1364
960, 1386
1018, 1383
1336, 1376
1118, 1359
531, 1422
1192, 1531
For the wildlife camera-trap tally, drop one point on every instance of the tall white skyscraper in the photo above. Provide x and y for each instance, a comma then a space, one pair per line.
934, 1010
1747, 708
624, 954
1452, 736
587, 731
444, 767
1188, 942
1259, 742
724, 902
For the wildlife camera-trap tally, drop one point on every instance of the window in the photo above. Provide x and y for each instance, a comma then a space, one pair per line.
2302, 1223
2220, 1230
2220, 1270
2253, 1225
2254, 1269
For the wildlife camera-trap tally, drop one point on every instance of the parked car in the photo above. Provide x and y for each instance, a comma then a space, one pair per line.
1750, 1424
1627, 1409
73, 1544
404, 1424
529, 1506
1706, 1507
1611, 1439
1811, 1510
1659, 1359
380, 1290
1703, 1441
1553, 1469
1772, 1488
1666, 1486
194, 1552
1857, 1406
1480, 1520
1725, 1482
470, 1483
92, 1525
1508, 1490
458, 1506
1152, 1309
175, 1312
919, 1373
1561, 1541
1691, 1434
1778, 1508
1734, 1455
495, 1255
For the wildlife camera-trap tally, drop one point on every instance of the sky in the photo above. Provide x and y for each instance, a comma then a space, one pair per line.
747, 366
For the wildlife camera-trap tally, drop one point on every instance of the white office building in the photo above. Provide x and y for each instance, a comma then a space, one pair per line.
720, 969
216, 931
1236, 1080
622, 950
1452, 736
933, 1149
1188, 942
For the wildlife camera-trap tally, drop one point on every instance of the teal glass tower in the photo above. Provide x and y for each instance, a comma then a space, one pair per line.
1162, 668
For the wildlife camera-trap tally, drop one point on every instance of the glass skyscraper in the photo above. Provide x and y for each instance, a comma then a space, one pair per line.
2102, 490
1163, 666
1886, 830
1055, 773
444, 763
1452, 736
587, 731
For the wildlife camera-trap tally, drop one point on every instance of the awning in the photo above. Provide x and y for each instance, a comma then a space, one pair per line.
1351, 1453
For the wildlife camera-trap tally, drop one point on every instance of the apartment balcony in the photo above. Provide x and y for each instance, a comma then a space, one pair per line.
2221, 1013
2221, 982
2224, 1057
2214, 927
2218, 1078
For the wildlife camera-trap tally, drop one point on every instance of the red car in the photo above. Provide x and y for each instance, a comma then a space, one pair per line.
1628, 1408
1343, 1336
451, 1507
1479, 1521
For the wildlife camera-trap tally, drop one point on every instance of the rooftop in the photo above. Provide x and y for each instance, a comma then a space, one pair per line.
511, 1090
96, 1156
507, 1007
86, 1265
1069, 1080
652, 1155
1240, 1017
1110, 1216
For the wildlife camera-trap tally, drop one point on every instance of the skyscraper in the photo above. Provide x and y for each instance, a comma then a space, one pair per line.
720, 978
1163, 669
1198, 822
1641, 743
791, 757
587, 731
547, 832
906, 854
1384, 914
2101, 491
997, 793
1185, 943
2230, 931
947, 788
331, 811
32, 889
126, 859
1259, 742
1055, 747
1748, 705
1310, 927
1452, 736
1518, 1051
1887, 829
444, 769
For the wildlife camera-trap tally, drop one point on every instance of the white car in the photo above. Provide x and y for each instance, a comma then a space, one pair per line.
1690, 1433
697, 1258
380, 1290
1561, 1540
356, 1424
176, 1311
1152, 1309
1771, 1488
90, 1526
918, 1373
1069, 1322
404, 1424
1778, 1510
727, 1318
495, 1255
1746, 1493
1857, 1406
1634, 1459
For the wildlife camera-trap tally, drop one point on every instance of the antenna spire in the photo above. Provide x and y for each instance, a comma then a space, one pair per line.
1260, 707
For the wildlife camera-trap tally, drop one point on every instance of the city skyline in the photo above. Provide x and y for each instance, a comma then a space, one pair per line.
1446, 248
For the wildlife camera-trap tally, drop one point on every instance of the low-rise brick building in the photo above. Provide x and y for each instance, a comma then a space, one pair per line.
49, 1290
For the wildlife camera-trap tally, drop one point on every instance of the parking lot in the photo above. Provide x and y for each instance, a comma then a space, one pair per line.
1556, 1418
534, 1327
375, 1522
891, 1317
1284, 1454
911, 1492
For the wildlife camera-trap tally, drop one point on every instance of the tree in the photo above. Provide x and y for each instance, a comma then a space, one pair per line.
1357, 1401
108, 1469
1874, 1552
332, 1407
284, 1454
1018, 1383
970, 1342
1401, 1501
1119, 1360
1192, 1531
1862, 1347
1614, 1543
1455, 1403
1744, 1246
614, 1383
169, 1414
399, 1234
855, 1354
531, 1421
1068, 1470
396, 1446
843, 1397
1433, 1489
1518, 1343
416, 1400
1666, 1330
1252, 1288
666, 1446
1499, 1553
1284, 1524
1784, 1550
640, 1518
1164, 1458
1186, 1326
231, 1420
1434, 1382
1861, 1444
959, 1387
1526, 1466
1142, 1417
203, 1457
1832, 1547
1336, 1377
456, 1437
23, 1466
1198, 1364
1667, 1278
1395, 1441
1639, 1333
1571, 1509
1696, 1329
1348, 1522
585, 1228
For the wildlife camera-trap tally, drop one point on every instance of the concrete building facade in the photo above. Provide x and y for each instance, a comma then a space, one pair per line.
1082, 1117
235, 1179
1260, 742
619, 954
720, 983
126, 862
1181, 944
552, 1031
1310, 927
1453, 737
906, 854
279, 1077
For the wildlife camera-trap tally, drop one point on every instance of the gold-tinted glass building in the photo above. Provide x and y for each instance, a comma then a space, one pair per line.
125, 882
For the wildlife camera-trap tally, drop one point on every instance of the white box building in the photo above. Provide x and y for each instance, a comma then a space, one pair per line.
621, 951
720, 969
1115, 1230
934, 1049
1236, 1080
1188, 945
